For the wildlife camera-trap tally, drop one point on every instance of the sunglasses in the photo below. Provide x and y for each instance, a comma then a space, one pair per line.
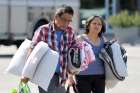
65, 20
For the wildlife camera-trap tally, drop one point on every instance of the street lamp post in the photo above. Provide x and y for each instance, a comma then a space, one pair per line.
110, 9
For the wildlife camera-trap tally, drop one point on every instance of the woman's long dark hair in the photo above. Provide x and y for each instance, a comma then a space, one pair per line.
89, 20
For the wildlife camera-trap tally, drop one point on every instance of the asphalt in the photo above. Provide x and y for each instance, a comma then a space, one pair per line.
130, 85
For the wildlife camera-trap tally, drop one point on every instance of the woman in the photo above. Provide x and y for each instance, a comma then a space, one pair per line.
93, 78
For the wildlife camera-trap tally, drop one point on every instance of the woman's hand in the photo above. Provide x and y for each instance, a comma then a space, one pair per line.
70, 81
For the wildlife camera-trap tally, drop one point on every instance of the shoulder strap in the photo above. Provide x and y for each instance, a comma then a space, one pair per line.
83, 37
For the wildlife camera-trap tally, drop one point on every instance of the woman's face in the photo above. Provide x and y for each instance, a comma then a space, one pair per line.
95, 25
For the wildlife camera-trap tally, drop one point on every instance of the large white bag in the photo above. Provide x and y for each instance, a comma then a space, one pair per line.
118, 60
18, 61
41, 64
115, 64
111, 80
34, 59
46, 69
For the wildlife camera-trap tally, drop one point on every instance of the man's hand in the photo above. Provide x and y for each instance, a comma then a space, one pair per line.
24, 79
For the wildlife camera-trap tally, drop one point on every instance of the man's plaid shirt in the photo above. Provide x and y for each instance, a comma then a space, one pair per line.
47, 33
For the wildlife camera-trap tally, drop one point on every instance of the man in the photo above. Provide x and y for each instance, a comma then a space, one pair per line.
59, 36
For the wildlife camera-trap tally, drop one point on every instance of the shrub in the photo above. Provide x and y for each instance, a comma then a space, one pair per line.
136, 19
124, 19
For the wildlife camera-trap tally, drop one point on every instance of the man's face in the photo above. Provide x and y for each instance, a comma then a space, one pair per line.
64, 20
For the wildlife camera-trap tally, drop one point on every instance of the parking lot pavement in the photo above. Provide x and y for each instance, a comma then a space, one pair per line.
130, 85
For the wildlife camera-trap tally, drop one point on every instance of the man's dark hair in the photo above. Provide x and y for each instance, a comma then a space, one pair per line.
64, 9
